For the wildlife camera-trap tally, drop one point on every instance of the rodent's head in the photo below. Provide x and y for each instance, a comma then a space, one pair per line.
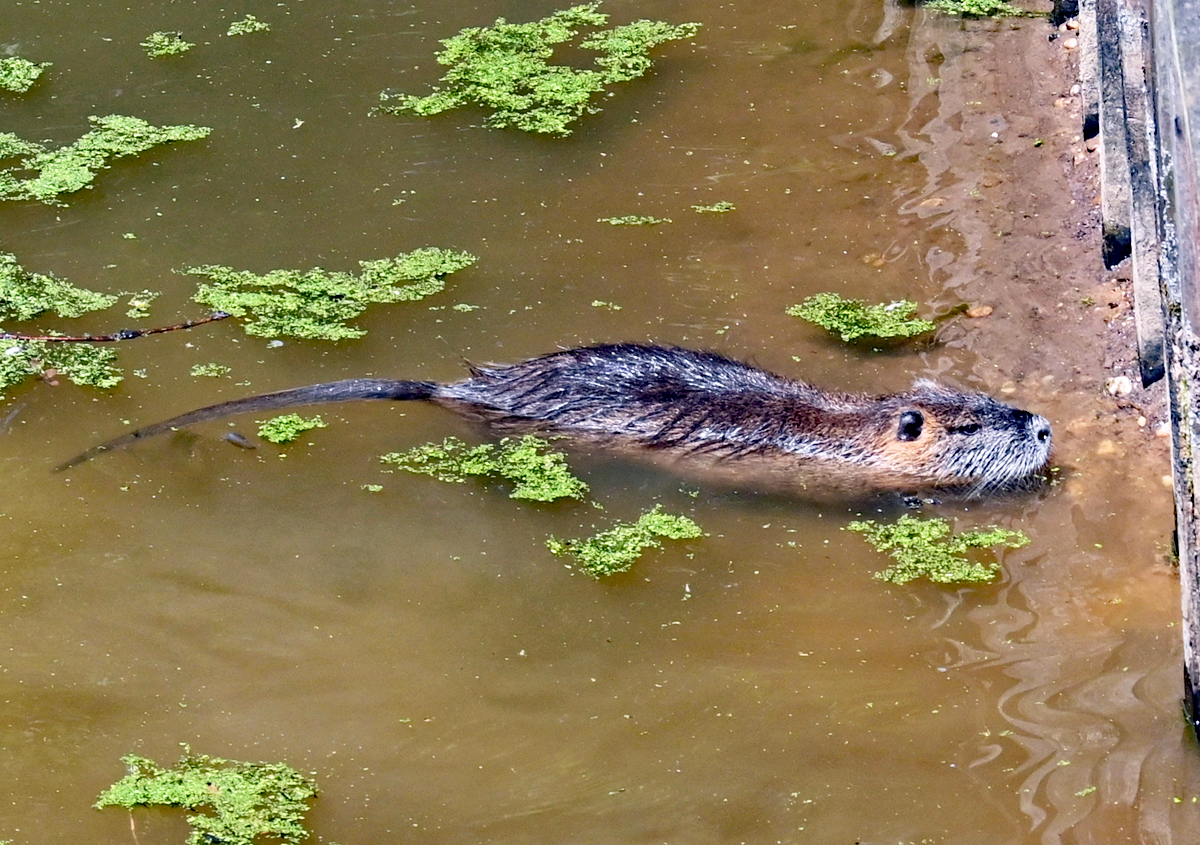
966, 440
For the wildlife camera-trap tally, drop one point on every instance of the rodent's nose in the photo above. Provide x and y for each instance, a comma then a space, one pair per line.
1040, 426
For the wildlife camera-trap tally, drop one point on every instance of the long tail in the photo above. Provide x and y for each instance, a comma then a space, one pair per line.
314, 394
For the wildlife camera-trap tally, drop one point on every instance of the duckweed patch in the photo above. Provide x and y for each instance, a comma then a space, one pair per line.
209, 370
287, 428
721, 207
317, 304
853, 318
93, 366
140, 302
616, 549
634, 220
241, 801
160, 44
505, 68
536, 472
977, 8
24, 295
73, 167
17, 75
928, 548
247, 26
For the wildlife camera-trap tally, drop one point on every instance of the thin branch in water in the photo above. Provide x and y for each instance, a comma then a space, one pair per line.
123, 334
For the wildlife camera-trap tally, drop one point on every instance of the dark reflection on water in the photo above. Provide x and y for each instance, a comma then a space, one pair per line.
417, 649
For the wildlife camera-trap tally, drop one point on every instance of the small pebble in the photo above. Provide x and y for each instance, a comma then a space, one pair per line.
1163, 430
977, 311
1119, 386
1070, 43
1141, 422
1073, 24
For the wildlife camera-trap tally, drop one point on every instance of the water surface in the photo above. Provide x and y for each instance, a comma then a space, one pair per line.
443, 677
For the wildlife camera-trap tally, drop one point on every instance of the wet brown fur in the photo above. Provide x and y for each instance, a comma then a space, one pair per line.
705, 412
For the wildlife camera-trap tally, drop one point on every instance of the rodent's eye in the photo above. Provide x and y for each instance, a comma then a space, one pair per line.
911, 423
969, 428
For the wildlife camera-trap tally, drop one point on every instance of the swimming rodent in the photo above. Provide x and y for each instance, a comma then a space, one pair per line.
705, 411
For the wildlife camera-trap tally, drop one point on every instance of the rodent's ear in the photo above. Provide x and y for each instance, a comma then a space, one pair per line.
911, 423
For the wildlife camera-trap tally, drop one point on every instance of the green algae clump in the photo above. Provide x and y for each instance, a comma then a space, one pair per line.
616, 549
722, 207
287, 428
160, 44
73, 167
24, 295
316, 304
17, 75
977, 8
209, 370
853, 318
140, 302
248, 25
83, 364
243, 801
504, 68
927, 548
537, 473
634, 220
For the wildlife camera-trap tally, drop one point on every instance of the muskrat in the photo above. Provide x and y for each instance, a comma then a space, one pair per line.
703, 410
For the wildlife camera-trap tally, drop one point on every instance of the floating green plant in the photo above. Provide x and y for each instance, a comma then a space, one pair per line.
504, 68
318, 303
853, 318
248, 25
17, 75
616, 549
716, 208
976, 8
536, 472
160, 44
927, 548
140, 302
243, 801
287, 428
94, 366
73, 167
634, 220
24, 295
209, 370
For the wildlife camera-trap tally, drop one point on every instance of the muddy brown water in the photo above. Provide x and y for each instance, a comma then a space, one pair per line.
417, 649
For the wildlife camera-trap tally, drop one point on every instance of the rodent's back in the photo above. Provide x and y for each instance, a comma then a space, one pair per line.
701, 407
723, 417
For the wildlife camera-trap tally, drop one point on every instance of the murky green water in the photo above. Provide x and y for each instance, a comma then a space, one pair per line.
417, 649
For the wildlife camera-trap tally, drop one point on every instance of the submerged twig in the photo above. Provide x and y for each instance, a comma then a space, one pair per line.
123, 334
